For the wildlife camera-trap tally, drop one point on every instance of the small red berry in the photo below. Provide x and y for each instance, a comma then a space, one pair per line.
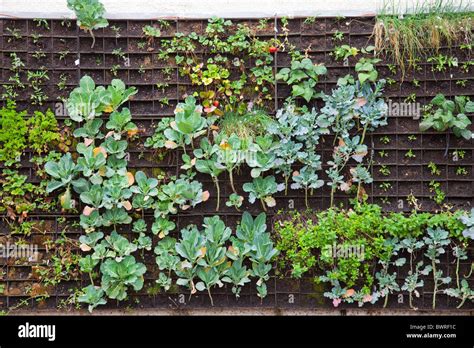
216, 103
273, 49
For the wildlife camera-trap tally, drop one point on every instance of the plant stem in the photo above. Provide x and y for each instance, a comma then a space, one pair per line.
209, 292
363, 134
332, 197
231, 178
457, 272
462, 302
386, 301
263, 204
435, 290
216, 182
306, 197
93, 37
286, 185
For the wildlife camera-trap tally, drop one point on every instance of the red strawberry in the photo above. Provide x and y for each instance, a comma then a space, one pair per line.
216, 103
273, 49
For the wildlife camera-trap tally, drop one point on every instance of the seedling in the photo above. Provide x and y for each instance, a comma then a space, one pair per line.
434, 170
384, 170
462, 171
385, 140
435, 187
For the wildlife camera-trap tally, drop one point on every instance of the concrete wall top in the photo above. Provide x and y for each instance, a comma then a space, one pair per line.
167, 9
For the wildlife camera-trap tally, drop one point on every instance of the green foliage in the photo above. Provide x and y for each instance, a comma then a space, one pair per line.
306, 240
90, 15
468, 221
43, 131
208, 258
118, 275
225, 46
13, 131
302, 76
445, 114
263, 189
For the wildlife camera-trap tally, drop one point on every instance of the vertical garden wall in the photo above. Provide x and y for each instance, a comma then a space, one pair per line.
205, 118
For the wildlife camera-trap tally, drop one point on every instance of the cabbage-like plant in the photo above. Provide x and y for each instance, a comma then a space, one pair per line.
117, 276
468, 221
90, 15
263, 190
187, 125
306, 179
436, 241
120, 123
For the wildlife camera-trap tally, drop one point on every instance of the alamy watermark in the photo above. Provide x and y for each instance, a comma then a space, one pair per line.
29, 251
404, 109
344, 251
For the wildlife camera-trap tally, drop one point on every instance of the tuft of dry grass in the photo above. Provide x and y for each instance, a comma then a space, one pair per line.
423, 30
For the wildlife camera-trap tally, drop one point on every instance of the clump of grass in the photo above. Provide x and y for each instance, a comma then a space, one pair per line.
248, 125
422, 30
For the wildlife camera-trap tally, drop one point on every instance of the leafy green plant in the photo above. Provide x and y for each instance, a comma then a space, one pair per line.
90, 15
118, 275
413, 279
263, 189
343, 52
447, 114
468, 221
13, 131
436, 241
302, 76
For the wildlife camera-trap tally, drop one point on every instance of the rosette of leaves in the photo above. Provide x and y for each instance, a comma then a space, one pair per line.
177, 194
145, 190
120, 123
263, 189
235, 201
63, 173
188, 124
263, 158
289, 150
253, 241
90, 15
302, 76
87, 101
371, 108
337, 115
444, 114
93, 296
306, 179
360, 175
117, 276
